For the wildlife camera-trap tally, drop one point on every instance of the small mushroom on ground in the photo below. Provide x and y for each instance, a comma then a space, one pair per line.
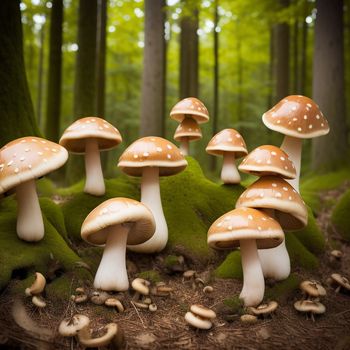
80, 298
89, 136
312, 307
113, 302
200, 316
99, 297
152, 307
230, 144
38, 285
189, 274
313, 289
22, 161
140, 304
341, 282
335, 257
208, 289
70, 327
116, 223
140, 286
264, 309
248, 319
38, 301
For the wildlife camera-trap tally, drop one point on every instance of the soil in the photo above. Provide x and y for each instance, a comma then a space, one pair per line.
166, 327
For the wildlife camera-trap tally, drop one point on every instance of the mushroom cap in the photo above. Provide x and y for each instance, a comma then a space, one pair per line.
247, 318
264, 309
313, 288
152, 151
341, 280
312, 306
28, 158
188, 128
111, 331
106, 135
190, 107
268, 160
227, 140
272, 192
140, 285
69, 327
197, 321
202, 311
118, 211
297, 116
245, 223
38, 285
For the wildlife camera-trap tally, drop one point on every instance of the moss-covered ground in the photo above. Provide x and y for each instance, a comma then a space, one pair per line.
341, 216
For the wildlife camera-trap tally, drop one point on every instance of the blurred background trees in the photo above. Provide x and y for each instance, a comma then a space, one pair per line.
130, 61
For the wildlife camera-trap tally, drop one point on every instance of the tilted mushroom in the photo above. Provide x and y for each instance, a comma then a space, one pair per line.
151, 157
200, 316
264, 309
312, 307
38, 285
297, 117
21, 162
140, 286
89, 136
250, 229
230, 144
313, 289
188, 130
70, 327
116, 223
341, 282
190, 107
281, 201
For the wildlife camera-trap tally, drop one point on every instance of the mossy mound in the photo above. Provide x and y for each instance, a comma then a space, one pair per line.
340, 216
191, 203
283, 289
19, 258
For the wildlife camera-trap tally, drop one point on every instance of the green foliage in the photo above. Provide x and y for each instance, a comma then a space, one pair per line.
235, 304
231, 267
284, 288
170, 261
150, 275
340, 216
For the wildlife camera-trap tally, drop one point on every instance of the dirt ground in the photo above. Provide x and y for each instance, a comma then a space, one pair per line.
166, 327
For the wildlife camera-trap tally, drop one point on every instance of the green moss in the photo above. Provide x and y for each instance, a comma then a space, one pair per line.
171, 260
235, 305
340, 216
231, 267
283, 289
150, 275
45, 187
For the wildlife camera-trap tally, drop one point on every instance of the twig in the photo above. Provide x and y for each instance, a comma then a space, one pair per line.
138, 314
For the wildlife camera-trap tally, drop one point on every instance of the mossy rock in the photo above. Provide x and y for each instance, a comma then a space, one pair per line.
231, 267
150, 275
19, 258
191, 203
340, 216
283, 289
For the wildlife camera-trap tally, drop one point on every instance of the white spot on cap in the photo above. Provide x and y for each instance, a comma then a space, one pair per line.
274, 185
286, 167
238, 136
42, 141
268, 161
278, 195
295, 119
290, 198
219, 224
309, 105
229, 139
16, 170
261, 195
283, 159
317, 116
278, 121
250, 217
229, 228
263, 219
169, 156
33, 140
136, 156
310, 126
10, 163
145, 154
159, 149
285, 188
29, 166
40, 153
273, 153
93, 119
169, 146
259, 228
54, 150
299, 129
294, 108
23, 141
322, 124
305, 117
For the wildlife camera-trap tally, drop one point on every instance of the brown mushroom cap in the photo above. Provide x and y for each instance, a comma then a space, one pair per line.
118, 211
272, 192
296, 116
190, 107
28, 158
188, 128
227, 140
264, 309
245, 223
312, 306
341, 280
313, 288
202, 311
70, 327
268, 160
152, 151
106, 134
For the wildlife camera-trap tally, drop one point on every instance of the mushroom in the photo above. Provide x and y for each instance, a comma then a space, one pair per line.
341, 281
89, 136
250, 229
152, 307
297, 117
38, 301
230, 144
99, 297
141, 286
264, 309
200, 316
310, 306
115, 223
21, 162
113, 302
71, 326
188, 130
190, 107
208, 289
281, 201
112, 335
249, 319
313, 289
151, 157
38, 285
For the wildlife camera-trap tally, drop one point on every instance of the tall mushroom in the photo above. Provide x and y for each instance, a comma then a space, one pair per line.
89, 136
230, 144
281, 201
21, 162
297, 117
188, 130
250, 229
116, 223
151, 157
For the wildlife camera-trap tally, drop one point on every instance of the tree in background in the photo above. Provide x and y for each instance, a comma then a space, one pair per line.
328, 83
16, 108
52, 122
152, 100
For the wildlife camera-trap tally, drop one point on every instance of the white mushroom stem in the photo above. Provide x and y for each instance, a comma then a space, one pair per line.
112, 274
253, 279
275, 262
30, 226
94, 183
185, 146
150, 195
229, 172
292, 146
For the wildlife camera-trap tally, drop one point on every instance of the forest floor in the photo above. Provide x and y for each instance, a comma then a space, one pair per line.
166, 327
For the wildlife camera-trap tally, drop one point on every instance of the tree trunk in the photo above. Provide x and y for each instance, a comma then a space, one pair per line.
303, 64
16, 108
39, 98
271, 66
52, 123
296, 56
153, 70
328, 83
189, 55
239, 75
281, 59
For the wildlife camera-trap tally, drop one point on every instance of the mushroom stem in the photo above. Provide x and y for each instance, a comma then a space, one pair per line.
94, 183
275, 262
253, 279
292, 146
185, 146
150, 195
229, 172
30, 226
112, 274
